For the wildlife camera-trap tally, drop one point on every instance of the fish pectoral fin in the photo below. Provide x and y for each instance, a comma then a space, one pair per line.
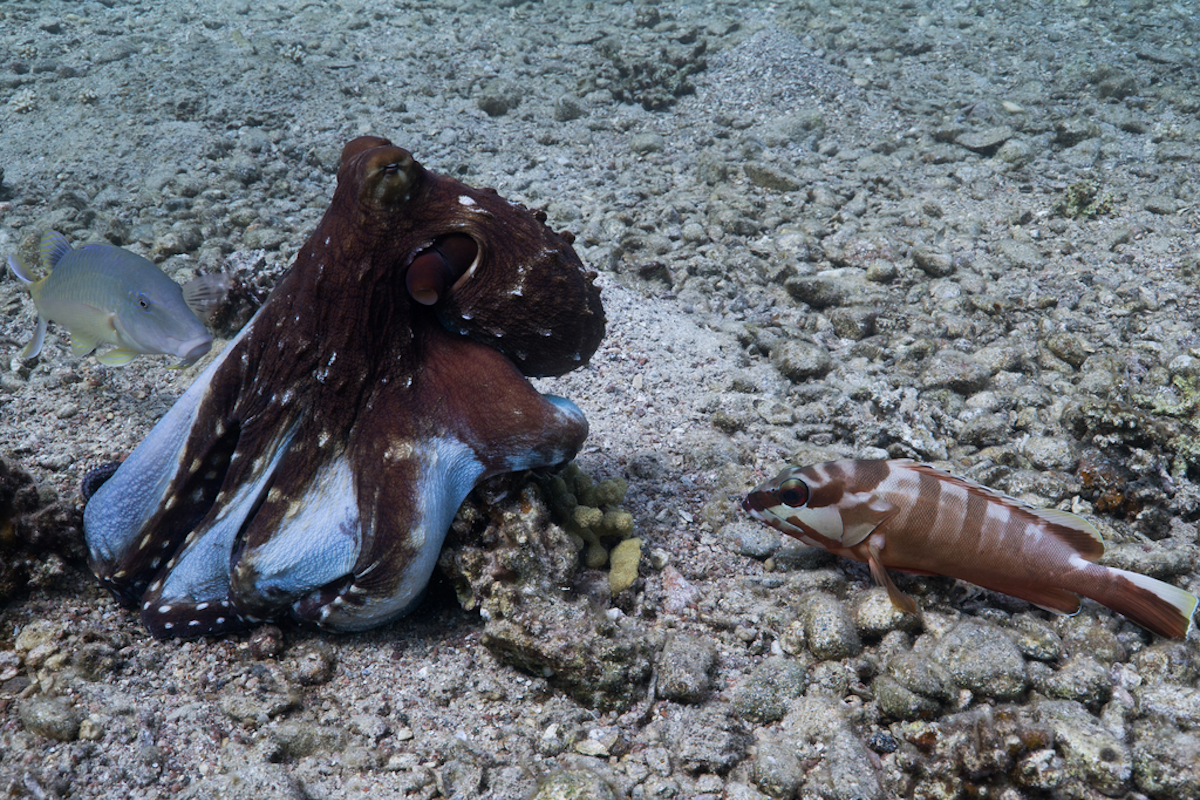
81, 345
205, 294
899, 599
862, 513
34, 345
117, 357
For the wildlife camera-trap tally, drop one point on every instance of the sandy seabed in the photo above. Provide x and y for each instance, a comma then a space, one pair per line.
962, 233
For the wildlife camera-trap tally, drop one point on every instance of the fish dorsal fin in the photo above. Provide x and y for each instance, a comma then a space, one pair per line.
1073, 530
861, 512
117, 357
205, 294
51, 249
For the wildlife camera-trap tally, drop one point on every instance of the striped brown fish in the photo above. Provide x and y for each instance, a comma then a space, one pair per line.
912, 517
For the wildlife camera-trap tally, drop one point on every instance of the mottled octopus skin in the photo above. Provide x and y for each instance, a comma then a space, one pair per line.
314, 468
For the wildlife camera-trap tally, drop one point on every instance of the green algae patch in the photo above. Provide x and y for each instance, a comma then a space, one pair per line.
591, 514
1084, 200
623, 570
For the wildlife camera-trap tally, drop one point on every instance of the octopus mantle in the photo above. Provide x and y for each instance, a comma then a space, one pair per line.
314, 468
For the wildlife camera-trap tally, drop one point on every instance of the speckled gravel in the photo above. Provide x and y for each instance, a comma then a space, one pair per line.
964, 233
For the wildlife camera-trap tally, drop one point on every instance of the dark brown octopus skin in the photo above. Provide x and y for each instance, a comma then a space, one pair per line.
313, 469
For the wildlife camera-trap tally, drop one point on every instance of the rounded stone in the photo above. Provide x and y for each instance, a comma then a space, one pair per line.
829, 628
1166, 762
921, 674
1070, 347
1016, 152
685, 668
799, 361
1081, 678
1093, 755
959, 372
1047, 452
1179, 704
817, 291
312, 664
777, 770
264, 238
983, 659
1035, 639
1168, 662
882, 271
764, 694
575, 784
752, 539
644, 143
694, 232
933, 263
902, 703
876, 615
705, 738
854, 322
52, 717
985, 429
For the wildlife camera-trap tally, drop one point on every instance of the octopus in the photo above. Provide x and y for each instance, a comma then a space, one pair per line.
313, 469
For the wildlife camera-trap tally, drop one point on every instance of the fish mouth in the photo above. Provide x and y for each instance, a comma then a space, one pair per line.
192, 350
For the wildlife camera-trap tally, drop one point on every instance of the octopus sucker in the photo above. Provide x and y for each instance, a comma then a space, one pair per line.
312, 470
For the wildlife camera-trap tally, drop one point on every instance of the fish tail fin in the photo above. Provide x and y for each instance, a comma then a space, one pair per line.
879, 572
52, 247
1159, 607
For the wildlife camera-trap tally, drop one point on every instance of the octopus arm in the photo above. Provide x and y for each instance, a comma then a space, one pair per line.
314, 543
406, 512
192, 595
160, 487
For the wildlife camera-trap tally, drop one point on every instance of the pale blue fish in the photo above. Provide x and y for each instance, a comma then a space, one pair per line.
106, 295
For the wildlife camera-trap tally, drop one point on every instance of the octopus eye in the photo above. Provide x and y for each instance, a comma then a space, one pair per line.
434, 271
391, 176
793, 492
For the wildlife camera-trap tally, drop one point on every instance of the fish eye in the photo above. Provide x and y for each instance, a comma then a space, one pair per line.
793, 492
